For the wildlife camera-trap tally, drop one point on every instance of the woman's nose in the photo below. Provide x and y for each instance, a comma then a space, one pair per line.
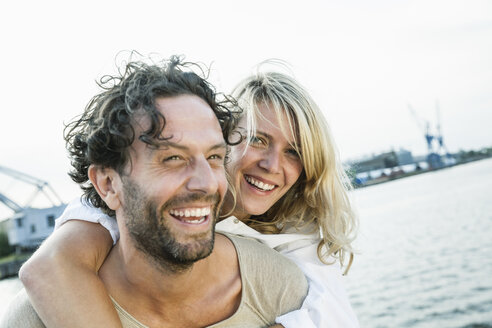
271, 162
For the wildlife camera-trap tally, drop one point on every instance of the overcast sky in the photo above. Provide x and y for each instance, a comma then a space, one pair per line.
363, 62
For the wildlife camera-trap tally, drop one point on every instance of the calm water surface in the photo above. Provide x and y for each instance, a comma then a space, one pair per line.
8, 288
425, 251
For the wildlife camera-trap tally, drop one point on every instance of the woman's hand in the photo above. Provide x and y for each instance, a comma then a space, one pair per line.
61, 277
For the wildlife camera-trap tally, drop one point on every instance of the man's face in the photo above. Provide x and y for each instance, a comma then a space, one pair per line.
172, 195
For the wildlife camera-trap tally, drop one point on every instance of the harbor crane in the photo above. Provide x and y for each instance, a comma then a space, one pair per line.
40, 187
29, 226
436, 147
439, 137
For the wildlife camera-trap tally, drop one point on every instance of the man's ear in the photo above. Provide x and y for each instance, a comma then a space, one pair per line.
106, 181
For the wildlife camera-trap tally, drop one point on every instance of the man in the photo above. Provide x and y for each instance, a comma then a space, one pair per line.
153, 146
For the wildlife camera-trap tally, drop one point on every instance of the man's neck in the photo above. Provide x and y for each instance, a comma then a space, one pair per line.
156, 296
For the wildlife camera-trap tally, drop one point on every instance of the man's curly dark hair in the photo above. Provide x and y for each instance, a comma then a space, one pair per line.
103, 134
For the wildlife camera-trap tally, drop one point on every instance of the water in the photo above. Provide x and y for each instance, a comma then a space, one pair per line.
425, 251
8, 288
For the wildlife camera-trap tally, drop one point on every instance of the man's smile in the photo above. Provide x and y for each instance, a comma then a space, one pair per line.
191, 215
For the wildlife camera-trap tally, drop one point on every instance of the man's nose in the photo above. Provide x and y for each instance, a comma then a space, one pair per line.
203, 178
272, 161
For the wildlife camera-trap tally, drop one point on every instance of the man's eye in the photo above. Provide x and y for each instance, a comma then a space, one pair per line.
172, 158
216, 156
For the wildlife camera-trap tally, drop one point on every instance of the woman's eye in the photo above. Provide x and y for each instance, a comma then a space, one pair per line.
257, 141
293, 152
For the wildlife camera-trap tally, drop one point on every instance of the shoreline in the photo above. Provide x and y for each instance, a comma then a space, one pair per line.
10, 265
393, 177
10, 269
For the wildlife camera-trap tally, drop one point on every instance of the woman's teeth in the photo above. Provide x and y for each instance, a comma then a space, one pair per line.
259, 184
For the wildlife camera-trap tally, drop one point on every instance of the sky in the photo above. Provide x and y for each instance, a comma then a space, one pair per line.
363, 62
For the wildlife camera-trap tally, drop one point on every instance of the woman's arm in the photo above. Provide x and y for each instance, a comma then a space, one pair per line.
61, 277
327, 303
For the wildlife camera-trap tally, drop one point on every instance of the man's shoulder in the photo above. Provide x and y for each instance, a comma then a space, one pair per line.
271, 281
20, 313
251, 251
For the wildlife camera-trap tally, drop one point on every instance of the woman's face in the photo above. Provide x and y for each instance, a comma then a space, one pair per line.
267, 168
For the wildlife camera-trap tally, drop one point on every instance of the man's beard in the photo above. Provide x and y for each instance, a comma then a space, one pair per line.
154, 237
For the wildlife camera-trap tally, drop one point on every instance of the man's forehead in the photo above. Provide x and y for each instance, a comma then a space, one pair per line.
186, 118
171, 105
174, 110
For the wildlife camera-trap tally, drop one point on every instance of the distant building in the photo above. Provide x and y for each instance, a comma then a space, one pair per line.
383, 161
4, 226
404, 157
29, 226
28, 229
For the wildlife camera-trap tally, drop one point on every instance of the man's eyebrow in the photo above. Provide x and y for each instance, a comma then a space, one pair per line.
170, 144
220, 145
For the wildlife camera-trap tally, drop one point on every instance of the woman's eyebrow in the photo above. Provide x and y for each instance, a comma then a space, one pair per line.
264, 134
269, 137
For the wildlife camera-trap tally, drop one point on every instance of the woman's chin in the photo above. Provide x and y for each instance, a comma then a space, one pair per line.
244, 213
256, 211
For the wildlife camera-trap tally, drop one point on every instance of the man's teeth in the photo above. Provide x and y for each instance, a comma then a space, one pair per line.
200, 213
197, 221
259, 184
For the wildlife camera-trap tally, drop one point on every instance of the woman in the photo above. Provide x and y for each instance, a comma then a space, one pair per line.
291, 194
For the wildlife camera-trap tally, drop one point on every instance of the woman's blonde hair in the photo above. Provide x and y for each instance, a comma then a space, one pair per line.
320, 197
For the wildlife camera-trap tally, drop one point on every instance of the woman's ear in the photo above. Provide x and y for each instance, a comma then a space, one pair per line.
105, 181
